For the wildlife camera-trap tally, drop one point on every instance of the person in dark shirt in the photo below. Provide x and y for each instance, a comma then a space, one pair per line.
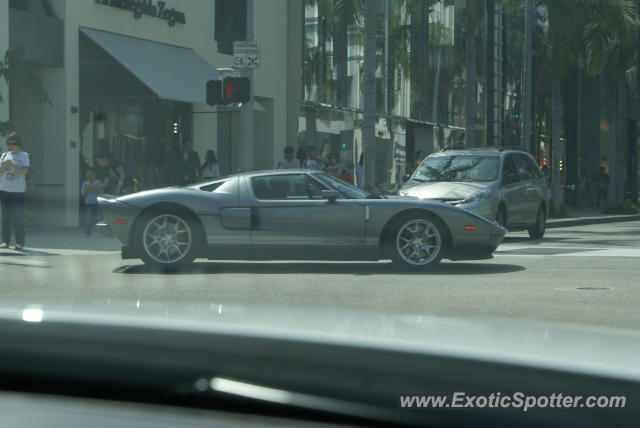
111, 175
190, 164
602, 185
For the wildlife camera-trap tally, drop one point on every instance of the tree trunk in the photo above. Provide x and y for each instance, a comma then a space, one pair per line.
556, 153
471, 92
419, 60
370, 96
311, 127
617, 145
340, 55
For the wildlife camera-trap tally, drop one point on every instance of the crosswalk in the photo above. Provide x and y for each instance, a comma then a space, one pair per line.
545, 251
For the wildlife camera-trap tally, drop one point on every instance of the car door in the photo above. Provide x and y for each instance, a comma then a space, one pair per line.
529, 195
288, 210
512, 194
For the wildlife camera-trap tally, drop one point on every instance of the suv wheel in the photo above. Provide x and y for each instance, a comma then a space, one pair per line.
537, 230
501, 216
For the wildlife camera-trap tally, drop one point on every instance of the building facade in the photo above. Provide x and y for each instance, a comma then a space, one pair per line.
129, 76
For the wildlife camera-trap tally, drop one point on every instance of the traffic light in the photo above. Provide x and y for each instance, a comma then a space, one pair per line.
232, 90
214, 92
236, 90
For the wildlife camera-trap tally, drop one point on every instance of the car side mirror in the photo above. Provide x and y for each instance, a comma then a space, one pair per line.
331, 195
405, 178
511, 178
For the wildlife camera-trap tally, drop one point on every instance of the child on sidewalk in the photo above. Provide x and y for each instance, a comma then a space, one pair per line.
90, 190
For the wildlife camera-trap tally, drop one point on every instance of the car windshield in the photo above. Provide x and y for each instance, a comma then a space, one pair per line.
458, 168
343, 187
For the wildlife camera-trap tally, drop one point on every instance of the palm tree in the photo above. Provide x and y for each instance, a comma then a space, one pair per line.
346, 14
471, 91
369, 104
596, 30
611, 41
14, 71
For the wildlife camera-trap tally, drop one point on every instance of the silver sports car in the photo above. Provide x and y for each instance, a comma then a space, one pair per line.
291, 215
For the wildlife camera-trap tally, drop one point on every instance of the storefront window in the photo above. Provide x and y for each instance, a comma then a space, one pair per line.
121, 117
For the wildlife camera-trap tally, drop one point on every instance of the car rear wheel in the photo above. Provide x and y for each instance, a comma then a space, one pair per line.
167, 240
537, 230
418, 242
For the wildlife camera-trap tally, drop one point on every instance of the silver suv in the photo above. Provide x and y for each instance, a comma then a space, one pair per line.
499, 184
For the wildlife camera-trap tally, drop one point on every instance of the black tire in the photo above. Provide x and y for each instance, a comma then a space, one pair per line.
501, 216
537, 230
178, 255
401, 234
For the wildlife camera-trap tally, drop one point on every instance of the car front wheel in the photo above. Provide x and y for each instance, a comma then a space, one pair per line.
537, 230
418, 242
167, 241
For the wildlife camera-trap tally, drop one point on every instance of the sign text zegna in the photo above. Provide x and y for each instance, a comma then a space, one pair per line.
148, 8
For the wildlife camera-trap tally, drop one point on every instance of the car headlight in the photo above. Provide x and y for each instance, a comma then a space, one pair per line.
479, 196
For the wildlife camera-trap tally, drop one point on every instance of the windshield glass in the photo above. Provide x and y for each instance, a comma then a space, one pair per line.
458, 168
343, 187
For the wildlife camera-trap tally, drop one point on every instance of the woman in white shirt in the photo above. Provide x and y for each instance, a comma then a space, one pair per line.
14, 166
210, 168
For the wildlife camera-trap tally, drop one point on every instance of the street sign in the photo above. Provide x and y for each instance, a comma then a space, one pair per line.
246, 54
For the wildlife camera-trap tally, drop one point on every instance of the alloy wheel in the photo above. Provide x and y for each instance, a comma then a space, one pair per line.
167, 239
418, 242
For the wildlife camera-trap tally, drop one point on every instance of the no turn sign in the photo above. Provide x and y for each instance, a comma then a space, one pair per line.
246, 54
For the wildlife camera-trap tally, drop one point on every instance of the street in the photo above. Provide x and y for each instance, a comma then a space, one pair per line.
583, 275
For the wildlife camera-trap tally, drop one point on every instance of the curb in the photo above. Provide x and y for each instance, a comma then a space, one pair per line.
581, 221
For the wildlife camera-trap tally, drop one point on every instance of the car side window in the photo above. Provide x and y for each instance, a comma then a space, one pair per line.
521, 167
532, 167
280, 187
315, 188
509, 167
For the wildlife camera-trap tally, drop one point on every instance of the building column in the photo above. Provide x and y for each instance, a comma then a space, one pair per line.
62, 130
4, 46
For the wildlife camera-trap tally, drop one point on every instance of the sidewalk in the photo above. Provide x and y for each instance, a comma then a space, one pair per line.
68, 240
580, 217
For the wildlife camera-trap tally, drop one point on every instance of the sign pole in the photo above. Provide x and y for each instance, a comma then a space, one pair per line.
246, 149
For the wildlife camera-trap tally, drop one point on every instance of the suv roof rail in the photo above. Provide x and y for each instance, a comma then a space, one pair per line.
501, 148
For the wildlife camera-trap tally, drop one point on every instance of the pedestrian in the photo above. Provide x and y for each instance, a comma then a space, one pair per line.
90, 191
333, 167
14, 166
190, 164
419, 157
602, 186
210, 169
289, 162
360, 171
312, 161
301, 155
112, 176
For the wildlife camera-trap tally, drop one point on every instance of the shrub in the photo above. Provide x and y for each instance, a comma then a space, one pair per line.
613, 207
562, 212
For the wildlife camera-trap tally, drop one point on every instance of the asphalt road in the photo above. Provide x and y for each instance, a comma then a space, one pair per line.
584, 275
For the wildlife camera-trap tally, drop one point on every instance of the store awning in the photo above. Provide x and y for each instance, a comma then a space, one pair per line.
172, 72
